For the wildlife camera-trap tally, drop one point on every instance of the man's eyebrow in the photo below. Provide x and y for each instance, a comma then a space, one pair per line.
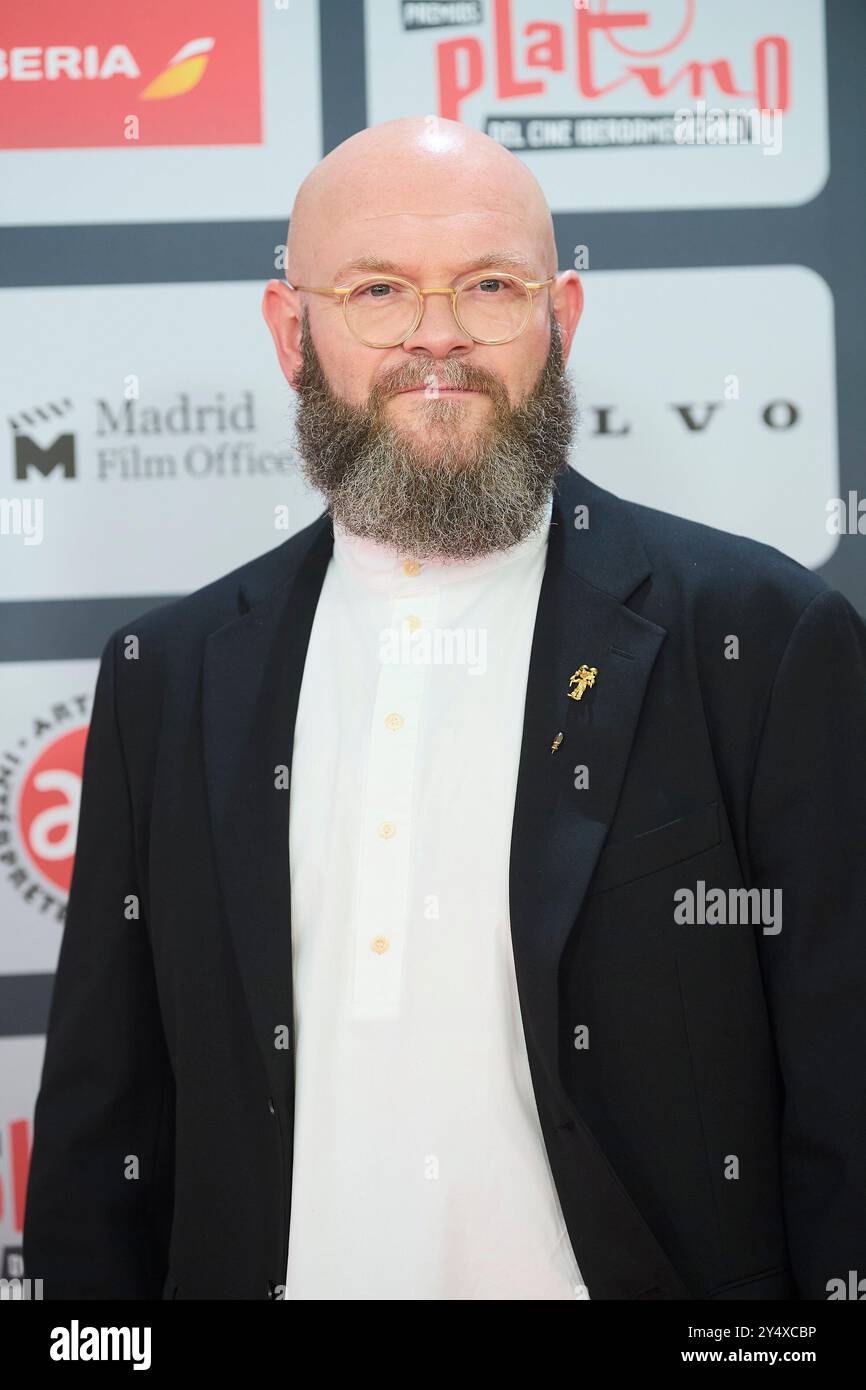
491, 260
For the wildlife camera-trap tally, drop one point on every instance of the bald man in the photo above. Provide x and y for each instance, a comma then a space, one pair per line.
467, 896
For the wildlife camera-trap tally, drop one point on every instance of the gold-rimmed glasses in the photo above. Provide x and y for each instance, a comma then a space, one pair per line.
492, 306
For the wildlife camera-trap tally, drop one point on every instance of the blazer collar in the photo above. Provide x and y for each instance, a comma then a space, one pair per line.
252, 672
253, 667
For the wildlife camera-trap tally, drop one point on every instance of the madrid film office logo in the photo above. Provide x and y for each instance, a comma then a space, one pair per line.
28, 455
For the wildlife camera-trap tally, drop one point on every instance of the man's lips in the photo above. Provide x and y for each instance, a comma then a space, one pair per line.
438, 391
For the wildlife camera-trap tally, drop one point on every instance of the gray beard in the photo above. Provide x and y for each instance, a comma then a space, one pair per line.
468, 492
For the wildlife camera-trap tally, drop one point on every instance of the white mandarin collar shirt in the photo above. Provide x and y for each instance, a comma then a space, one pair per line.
382, 570
419, 1167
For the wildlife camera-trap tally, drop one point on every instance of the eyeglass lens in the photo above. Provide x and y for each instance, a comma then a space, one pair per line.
383, 311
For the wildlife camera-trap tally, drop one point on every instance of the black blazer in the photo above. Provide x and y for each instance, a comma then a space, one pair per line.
709, 1142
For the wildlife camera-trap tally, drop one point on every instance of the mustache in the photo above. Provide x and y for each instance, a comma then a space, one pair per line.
446, 375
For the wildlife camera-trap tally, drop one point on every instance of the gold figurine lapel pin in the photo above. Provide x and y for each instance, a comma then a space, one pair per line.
583, 679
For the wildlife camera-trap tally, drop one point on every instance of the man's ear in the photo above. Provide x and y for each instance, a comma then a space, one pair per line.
568, 296
281, 308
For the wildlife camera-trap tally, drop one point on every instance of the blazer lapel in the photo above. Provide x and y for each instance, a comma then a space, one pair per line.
558, 831
252, 674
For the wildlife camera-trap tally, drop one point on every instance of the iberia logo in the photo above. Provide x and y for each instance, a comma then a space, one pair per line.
99, 74
184, 72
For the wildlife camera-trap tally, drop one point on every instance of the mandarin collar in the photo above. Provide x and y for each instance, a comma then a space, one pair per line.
386, 569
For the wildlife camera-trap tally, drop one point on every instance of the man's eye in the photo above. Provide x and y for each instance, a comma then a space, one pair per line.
374, 291
490, 286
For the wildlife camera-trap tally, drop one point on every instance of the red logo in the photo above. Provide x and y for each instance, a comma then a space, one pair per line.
115, 75
18, 1147
48, 807
618, 41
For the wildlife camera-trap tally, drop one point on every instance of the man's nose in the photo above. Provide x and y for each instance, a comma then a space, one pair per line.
438, 333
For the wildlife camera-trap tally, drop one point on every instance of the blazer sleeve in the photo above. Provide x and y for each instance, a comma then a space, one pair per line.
807, 838
99, 1195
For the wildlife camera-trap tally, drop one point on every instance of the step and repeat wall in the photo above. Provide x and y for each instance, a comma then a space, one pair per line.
703, 162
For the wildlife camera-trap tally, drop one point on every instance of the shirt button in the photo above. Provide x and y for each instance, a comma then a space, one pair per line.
379, 944
387, 830
393, 721
412, 567
413, 622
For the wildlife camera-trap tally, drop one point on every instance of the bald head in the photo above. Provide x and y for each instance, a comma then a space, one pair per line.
433, 185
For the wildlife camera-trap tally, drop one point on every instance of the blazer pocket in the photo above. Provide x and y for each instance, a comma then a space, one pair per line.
776, 1283
656, 849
